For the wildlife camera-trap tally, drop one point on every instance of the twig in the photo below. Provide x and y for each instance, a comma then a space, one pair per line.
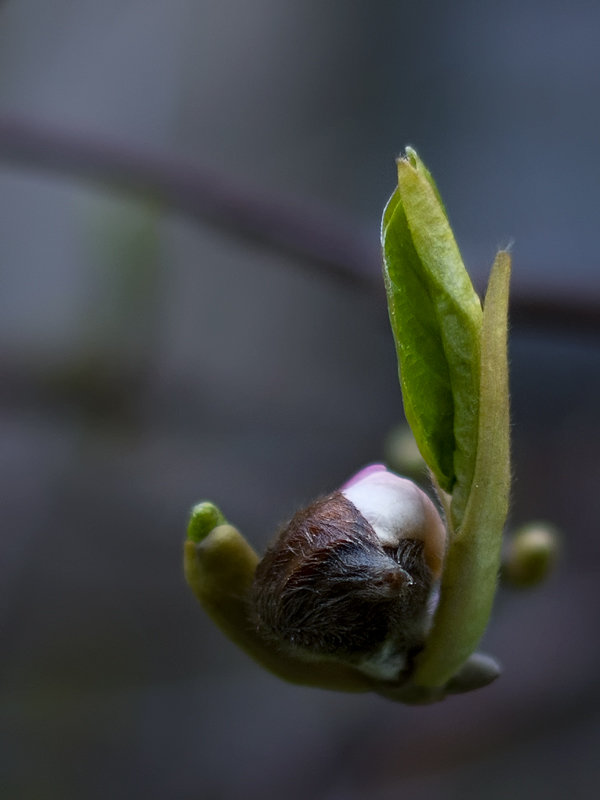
321, 240
315, 235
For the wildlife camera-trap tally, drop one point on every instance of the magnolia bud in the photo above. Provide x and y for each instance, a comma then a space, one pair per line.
350, 577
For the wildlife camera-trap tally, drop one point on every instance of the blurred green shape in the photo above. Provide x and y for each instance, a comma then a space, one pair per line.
531, 555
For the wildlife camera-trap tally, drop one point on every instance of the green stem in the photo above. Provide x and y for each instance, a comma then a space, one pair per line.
473, 559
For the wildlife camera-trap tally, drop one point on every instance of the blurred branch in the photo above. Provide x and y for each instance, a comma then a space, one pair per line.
313, 234
321, 240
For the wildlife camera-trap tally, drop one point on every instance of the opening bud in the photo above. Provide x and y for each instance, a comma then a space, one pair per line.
350, 578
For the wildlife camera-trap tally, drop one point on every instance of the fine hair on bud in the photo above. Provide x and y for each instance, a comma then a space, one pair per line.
328, 586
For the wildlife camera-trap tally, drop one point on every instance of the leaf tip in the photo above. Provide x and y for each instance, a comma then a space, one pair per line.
410, 155
409, 159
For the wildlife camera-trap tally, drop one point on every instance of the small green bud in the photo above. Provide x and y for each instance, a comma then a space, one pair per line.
531, 554
402, 453
204, 518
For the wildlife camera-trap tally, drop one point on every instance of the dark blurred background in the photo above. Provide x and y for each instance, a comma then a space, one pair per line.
150, 360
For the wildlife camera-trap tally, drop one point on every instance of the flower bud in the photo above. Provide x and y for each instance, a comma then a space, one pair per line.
350, 577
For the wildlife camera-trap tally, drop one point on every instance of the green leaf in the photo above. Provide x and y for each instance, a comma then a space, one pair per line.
424, 376
435, 316
473, 560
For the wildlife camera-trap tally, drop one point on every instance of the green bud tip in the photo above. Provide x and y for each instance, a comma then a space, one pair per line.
204, 518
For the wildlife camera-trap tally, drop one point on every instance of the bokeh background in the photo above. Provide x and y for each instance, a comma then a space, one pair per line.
150, 360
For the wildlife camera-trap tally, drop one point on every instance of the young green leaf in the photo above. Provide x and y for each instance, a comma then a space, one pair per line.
435, 316
424, 376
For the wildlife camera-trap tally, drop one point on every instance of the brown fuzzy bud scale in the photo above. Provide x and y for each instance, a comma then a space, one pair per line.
330, 588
